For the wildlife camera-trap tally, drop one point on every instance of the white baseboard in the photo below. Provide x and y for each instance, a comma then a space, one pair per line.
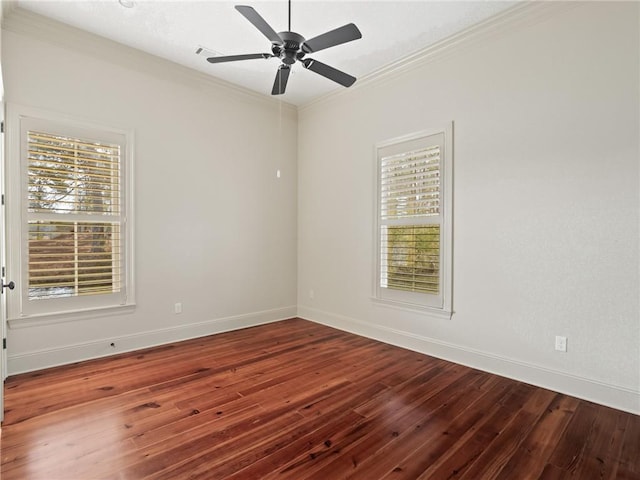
613, 396
38, 360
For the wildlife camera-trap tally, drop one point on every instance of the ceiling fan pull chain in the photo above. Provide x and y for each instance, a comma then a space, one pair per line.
289, 15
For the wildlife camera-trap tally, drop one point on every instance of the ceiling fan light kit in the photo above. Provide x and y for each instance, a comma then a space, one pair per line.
291, 47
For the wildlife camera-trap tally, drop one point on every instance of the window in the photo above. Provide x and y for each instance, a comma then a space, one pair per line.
414, 221
74, 245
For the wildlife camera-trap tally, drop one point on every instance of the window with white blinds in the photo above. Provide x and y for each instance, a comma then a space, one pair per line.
74, 216
75, 242
410, 191
412, 222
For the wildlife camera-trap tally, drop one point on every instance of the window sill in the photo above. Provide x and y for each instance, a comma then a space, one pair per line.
439, 313
69, 316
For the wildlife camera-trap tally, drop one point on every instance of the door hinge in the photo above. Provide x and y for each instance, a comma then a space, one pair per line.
2, 272
4, 343
1, 127
2, 199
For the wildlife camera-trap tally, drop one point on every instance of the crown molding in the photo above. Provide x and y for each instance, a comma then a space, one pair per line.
33, 25
520, 15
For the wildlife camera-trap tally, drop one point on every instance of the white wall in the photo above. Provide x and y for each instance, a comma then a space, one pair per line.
214, 228
546, 214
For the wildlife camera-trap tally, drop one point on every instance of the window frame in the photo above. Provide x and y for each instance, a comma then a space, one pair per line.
21, 310
440, 305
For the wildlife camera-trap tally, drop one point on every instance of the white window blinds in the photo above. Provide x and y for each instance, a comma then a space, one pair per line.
74, 216
410, 242
410, 184
414, 188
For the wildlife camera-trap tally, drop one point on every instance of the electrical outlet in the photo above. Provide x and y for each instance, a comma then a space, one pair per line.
561, 343
177, 308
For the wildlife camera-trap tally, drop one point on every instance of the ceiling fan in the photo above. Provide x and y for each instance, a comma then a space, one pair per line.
291, 47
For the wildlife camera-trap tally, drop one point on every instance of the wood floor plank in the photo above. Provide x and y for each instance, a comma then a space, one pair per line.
458, 459
424, 454
600, 457
567, 453
296, 400
206, 453
629, 461
426, 430
318, 441
497, 453
407, 416
530, 459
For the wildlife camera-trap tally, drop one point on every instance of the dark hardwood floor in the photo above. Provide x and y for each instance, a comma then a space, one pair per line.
297, 400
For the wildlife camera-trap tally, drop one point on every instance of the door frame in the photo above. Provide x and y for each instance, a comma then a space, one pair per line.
3, 263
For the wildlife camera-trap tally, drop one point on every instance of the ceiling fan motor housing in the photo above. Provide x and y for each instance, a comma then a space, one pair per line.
290, 50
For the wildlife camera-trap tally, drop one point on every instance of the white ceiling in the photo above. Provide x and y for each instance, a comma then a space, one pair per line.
175, 29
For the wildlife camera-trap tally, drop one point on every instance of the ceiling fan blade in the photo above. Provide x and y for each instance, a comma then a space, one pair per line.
280, 83
331, 73
233, 58
344, 34
260, 23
